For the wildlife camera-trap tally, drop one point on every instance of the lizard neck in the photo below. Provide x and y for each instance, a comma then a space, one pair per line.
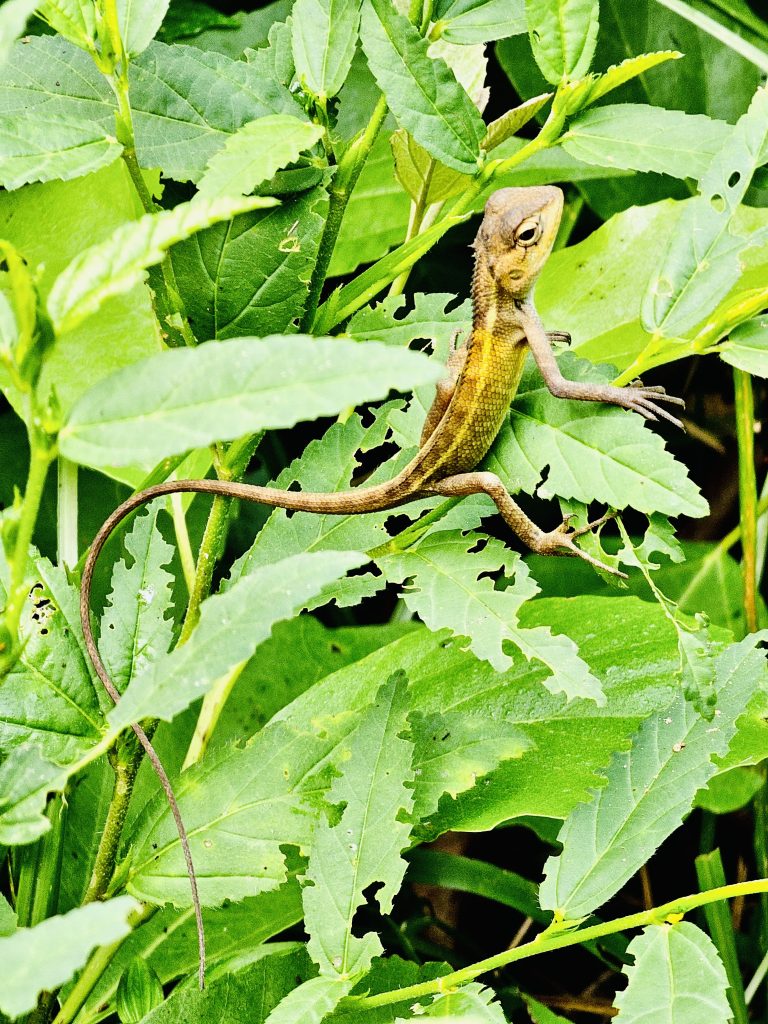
494, 308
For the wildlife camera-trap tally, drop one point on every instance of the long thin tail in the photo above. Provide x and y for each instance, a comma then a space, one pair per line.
344, 502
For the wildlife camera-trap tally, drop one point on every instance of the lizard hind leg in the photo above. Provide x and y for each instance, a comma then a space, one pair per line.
559, 541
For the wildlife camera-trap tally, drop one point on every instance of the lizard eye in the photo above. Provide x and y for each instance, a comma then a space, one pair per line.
528, 233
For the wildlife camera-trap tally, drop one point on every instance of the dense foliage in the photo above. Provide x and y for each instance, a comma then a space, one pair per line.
216, 228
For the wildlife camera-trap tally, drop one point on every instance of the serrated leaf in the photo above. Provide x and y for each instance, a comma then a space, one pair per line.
250, 276
428, 317
324, 38
255, 152
677, 978
365, 844
478, 21
422, 92
639, 137
185, 398
73, 19
470, 1004
134, 628
593, 452
14, 15
509, 124
447, 586
747, 347
649, 790
563, 36
231, 627
118, 264
47, 149
44, 957
701, 263
185, 102
310, 1002
628, 69
139, 21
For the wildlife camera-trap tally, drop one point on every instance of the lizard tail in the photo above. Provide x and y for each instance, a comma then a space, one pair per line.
364, 499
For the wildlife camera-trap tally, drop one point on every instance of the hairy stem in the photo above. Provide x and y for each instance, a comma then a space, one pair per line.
106, 855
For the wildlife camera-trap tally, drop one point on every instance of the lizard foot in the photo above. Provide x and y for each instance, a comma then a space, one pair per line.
644, 400
560, 541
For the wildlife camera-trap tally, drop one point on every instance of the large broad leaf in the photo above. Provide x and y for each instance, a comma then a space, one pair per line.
701, 263
250, 276
592, 452
422, 92
563, 36
44, 957
646, 138
118, 264
649, 791
677, 977
448, 586
134, 628
478, 21
185, 102
139, 21
255, 152
230, 629
185, 398
46, 149
324, 38
364, 846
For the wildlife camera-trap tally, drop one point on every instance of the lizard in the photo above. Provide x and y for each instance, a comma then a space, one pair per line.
516, 236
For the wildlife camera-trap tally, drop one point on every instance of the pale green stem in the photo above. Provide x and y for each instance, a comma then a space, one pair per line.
756, 981
745, 435
186, 555
555, 937
210, 712
66, 526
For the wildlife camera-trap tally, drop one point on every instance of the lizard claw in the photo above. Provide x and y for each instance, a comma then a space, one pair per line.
644, 400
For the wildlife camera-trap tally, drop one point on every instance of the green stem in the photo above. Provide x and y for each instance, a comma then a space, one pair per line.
183, 543
42, 454
345, 179
556, 937
415, 221
211, 550
748, 515
106, 855
66, 527
94, 969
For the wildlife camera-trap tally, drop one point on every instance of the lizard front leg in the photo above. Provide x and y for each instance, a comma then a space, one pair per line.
636, 397
444, 392
559, 541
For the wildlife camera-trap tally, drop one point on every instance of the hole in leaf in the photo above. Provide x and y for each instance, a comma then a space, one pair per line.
718, 203
734, 179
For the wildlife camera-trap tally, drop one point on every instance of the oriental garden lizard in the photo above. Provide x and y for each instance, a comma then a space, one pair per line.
516, 236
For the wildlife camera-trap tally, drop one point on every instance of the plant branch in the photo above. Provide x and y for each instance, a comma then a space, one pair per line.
559, 936
106, 855
748, 515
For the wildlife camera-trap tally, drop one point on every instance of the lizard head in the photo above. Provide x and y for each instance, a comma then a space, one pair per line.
517, 233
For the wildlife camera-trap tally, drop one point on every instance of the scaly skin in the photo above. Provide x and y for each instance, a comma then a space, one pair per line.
515, 238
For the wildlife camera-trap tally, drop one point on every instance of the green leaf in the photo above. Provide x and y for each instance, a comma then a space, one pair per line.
541, 1014
365, 844
138, 993
677, 977
238, 992
73, 19
509, 124
424, 179
44, 957
14, 15
185, 398
620, 74
45, 149
139, 21
422, 92
447, 588
310, 1002
134, 628
593, 452
250, 276
185, 102
701, 263
649, 791
231, 627
470, 1004
324, 38
719, 30
255, 152
118, 264
563, 36
747, 347
478, 21
645, 138
428, 317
